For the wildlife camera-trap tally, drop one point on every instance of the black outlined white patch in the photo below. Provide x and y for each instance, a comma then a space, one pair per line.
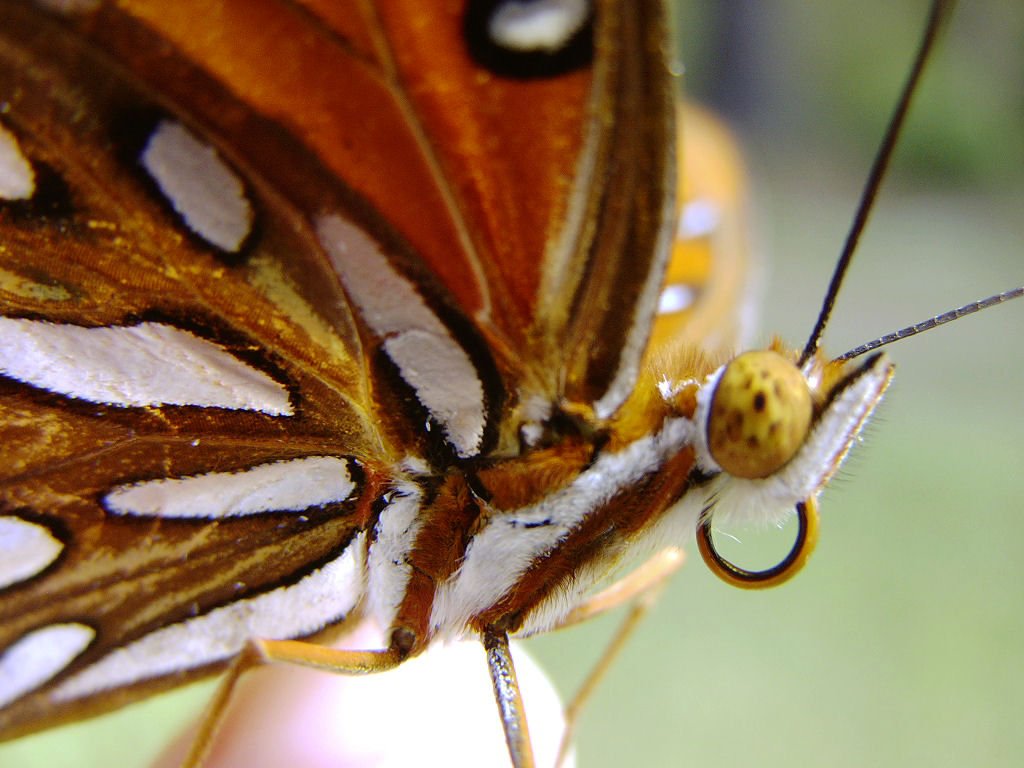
529, 39
17, 179
388, 568
199, 185
428, 358
26, 549
38, 656
280, 486
148, 364
537, 25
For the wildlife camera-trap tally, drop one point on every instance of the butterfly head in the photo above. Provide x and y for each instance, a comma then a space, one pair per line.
771, 433
759, 416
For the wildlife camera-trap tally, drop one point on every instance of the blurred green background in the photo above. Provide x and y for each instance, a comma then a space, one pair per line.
903, 642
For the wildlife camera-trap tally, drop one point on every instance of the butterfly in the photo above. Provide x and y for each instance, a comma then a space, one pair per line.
430, 390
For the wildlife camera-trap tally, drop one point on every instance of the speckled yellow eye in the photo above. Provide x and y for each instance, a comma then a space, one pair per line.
760, 414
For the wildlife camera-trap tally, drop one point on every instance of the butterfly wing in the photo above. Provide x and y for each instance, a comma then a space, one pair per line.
532, 187
144, 362
207, 387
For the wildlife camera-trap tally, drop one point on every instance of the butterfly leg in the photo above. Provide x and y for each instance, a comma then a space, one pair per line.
508, 697
642, 586
260, 652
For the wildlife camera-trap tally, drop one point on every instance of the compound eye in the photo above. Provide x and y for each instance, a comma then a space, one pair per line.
760, 414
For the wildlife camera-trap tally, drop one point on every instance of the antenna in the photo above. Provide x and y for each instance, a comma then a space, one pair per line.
938, 16
934, 322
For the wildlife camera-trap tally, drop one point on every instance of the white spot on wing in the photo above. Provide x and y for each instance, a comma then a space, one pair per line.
444, 381
282, 486
199, 185
428, 358
388, 568
699, 218
499, 555
537, 25
17, 179
675, 298
25, 549
323, 597
145, 364
36, 657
